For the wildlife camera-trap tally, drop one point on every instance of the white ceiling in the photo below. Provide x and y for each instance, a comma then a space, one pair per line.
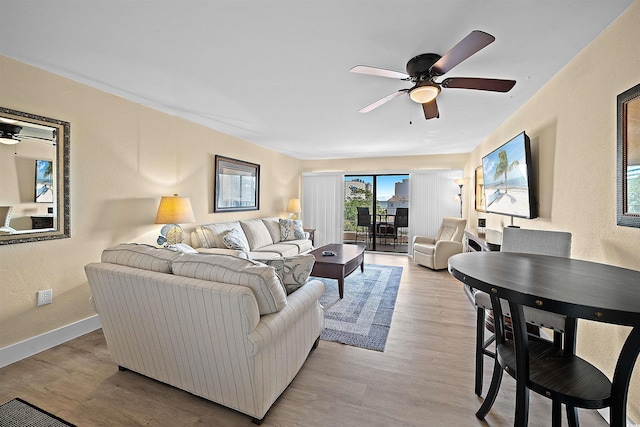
275, 73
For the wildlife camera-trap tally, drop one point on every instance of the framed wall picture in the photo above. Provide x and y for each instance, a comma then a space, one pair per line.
237, 185
44, 181
479, 180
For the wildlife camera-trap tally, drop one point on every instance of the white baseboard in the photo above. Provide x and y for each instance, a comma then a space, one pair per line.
31, 346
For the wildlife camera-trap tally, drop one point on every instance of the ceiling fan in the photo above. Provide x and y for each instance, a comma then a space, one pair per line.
423, 69
13, 132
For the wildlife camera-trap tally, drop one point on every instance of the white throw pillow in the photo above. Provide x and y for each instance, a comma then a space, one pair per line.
291, 230
182, 248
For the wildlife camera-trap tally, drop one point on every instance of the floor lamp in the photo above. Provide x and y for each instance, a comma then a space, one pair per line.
460, 184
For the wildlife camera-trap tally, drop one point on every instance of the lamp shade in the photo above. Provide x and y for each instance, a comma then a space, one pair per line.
294, 205
174, 210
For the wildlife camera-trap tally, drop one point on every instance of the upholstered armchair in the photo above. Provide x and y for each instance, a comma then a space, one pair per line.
434, 252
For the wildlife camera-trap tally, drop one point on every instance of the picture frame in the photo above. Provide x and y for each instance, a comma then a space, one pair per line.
479, 194
628, 158
44, 190
236, 186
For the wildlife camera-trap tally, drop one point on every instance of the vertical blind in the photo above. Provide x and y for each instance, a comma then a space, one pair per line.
323, 206
431, 198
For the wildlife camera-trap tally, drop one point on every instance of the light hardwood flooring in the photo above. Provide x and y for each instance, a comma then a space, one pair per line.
423, 378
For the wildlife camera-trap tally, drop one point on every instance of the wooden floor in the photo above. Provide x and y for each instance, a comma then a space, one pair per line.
423, 378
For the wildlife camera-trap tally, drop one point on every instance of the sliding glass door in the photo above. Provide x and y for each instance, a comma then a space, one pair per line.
376, 209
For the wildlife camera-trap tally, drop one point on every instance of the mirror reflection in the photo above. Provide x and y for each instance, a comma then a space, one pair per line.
34, 196
633, 156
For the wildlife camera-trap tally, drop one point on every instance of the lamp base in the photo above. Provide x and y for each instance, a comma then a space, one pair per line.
174, 235
170, 234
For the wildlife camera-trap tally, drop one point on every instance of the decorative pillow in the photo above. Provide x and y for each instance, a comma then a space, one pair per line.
233, 239
262, 279
291, 230
294, 272
142, 256
210, 235
182, 248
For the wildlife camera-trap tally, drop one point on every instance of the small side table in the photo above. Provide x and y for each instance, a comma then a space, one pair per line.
312, 236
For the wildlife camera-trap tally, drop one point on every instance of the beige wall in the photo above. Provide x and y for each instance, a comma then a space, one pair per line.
572, 126
124, 157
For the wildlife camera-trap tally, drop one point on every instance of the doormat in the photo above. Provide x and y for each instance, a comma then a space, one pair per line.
19, 413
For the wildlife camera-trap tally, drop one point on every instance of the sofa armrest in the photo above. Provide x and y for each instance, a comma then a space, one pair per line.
301, 301
422, 239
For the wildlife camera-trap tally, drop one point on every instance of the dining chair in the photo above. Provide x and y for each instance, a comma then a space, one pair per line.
554, 243
400, 220
363, 220
541, 242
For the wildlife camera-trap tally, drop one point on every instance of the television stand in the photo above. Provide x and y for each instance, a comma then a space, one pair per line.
489, 240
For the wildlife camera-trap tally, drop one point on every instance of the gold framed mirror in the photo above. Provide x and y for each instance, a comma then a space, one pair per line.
34, 177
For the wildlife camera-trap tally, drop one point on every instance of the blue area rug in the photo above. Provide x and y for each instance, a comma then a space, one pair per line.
363, 317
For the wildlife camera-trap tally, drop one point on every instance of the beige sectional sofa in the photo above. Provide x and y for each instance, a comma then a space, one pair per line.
264, 238
218, 326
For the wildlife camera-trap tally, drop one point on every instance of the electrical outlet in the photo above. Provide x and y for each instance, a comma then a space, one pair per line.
45, 297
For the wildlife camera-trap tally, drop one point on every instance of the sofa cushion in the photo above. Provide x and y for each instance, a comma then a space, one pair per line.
302, 245
142, 256
281, 248
291, 229
262, 279
210, 235
293, 271
273, 225
257, 233
234, 239
264, 254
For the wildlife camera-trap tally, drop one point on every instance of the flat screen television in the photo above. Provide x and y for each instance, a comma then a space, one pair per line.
508, 185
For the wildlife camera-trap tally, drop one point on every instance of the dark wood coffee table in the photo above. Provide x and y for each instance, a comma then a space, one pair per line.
347, 259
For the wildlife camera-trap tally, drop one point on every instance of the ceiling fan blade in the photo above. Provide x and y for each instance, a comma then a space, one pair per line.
431, 110
363, 69
381, 101
494, 85
469, 45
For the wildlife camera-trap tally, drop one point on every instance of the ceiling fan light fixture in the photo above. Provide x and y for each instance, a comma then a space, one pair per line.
9, 134
424, 94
